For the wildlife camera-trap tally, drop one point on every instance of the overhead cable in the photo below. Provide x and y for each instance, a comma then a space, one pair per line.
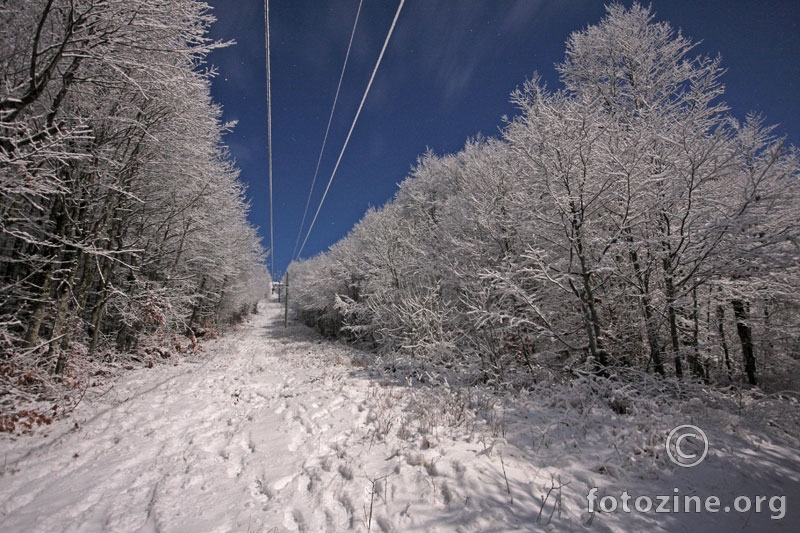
269, 139
360, 107
327, 130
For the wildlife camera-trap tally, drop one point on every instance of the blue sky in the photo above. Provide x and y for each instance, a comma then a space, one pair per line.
446, 76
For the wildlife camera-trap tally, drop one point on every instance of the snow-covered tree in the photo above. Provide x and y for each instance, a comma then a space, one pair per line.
122, 220
614, 222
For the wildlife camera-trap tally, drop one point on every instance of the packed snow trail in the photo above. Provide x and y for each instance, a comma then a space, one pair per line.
272, 429
194, 447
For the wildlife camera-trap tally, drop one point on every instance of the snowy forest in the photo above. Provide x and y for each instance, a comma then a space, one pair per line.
517, 341
624, 224
124, 233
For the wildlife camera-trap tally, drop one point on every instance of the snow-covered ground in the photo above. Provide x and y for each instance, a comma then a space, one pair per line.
273, 429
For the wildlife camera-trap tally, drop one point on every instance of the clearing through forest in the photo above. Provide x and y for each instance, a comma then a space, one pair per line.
273, 429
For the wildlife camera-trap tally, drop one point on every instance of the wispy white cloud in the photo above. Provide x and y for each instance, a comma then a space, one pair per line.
451, 40
520, 15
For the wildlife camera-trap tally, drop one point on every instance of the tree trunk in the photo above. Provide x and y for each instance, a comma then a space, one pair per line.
37, 316
673, 326
97, 319
100, 305
745, 332
669, 294
695, 363
586, 293
59, 215
721, 330
769, 348
656, 354
59, 326
196, 305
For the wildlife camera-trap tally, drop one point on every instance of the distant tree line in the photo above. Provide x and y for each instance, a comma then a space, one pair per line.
122, 219
626, 220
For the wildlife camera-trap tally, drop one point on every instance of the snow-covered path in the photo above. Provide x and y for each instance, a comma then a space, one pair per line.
212, 445
272, 429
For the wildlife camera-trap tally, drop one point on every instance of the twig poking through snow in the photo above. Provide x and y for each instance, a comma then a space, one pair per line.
508, 487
